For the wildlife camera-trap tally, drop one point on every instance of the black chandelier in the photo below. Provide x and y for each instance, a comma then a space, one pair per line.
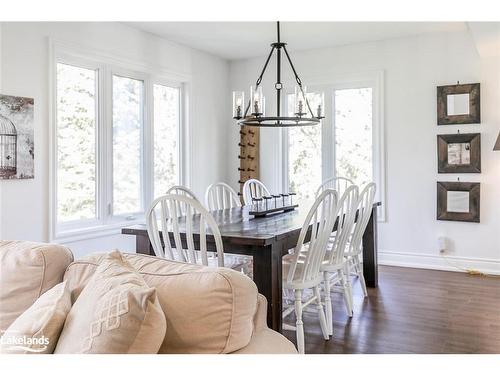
254, 114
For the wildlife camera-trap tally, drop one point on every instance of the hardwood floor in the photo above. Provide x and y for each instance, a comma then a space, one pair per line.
413, 311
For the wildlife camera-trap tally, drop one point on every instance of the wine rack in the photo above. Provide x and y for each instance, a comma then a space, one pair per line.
249, 155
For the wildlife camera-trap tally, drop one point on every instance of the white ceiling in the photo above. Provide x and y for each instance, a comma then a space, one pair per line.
238, 40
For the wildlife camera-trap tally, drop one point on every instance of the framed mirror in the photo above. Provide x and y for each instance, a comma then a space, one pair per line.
458, 201
459, 153
459, 104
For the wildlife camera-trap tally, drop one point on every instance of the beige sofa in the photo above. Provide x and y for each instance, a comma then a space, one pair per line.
208, 310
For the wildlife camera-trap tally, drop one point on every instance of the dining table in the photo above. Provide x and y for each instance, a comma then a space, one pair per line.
267, 239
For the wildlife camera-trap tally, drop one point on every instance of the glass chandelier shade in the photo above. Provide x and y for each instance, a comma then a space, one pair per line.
257, 104
254, 113
320, 109
238, 103
300, 101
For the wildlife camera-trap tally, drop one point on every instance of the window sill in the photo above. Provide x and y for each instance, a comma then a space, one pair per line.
88, 233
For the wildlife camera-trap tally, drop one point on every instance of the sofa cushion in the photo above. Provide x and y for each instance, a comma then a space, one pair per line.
265, 340
27, 270
116, 313
208, 310
38, 328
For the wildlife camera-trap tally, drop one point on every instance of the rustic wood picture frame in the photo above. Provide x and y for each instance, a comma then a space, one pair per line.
444, 165
474, 190
474, 116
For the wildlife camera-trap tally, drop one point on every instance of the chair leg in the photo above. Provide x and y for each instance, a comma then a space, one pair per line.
356, 267
361, 276
328, 304
321, 313
299, 324
348, 300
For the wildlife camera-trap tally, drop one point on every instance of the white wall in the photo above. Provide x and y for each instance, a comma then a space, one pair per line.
413, 67
1, 216
24, 204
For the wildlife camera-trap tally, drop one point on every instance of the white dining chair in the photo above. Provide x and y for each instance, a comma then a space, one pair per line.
164, 215
335, 268
220, 196
339, 184
184, 191
364, 207
253, 188
301, 270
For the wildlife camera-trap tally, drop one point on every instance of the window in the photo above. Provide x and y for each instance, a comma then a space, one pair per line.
128, 124
304, 155
116, 144
348, 143
166, 137
76, 143
353, 134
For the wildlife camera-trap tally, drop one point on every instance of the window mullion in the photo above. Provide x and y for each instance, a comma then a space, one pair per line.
107, 145
285, 166
101, 123
148, 145
334, 136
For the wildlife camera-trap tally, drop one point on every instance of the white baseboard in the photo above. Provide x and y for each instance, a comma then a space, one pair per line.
437, 262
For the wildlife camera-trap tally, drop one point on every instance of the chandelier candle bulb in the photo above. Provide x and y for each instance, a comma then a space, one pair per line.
257, 100
321, 106
300, 101
238, 103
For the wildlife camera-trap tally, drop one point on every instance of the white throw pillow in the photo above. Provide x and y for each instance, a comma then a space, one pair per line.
38, 328
116, 313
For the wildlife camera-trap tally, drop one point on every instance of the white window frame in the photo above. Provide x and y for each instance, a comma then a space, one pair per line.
106, 223
375, 80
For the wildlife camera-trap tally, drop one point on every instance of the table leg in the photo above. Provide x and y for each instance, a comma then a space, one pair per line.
370, 263
268, 278
143, 245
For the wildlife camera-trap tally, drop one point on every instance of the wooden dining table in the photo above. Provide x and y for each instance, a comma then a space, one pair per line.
267, 240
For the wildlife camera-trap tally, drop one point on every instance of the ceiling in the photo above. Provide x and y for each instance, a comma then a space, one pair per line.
239, 40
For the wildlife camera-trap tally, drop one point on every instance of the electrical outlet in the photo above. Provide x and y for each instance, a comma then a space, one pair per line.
442, 244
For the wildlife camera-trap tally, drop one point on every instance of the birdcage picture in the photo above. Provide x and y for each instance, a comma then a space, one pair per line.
17, 152
8, 148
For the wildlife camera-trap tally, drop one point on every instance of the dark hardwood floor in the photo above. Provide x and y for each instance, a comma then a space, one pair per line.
413, 311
